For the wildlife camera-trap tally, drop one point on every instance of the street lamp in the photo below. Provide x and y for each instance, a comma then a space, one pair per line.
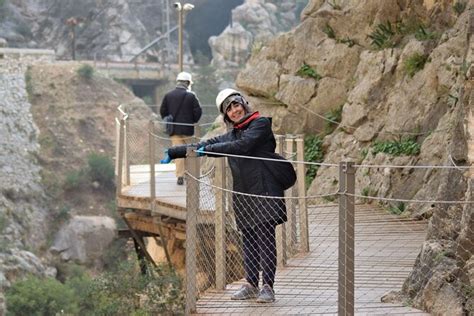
182, 9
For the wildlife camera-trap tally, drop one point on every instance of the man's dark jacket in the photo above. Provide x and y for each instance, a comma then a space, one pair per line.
252, 137
190, 111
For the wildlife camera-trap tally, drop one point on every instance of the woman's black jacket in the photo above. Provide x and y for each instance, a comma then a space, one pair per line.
250, 138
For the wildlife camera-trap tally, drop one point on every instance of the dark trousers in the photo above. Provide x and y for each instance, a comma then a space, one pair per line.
260, 253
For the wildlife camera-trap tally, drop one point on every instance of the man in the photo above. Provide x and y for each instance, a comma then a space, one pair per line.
183, 104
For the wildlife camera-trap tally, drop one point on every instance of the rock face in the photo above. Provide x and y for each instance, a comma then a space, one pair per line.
85, 238
23, 207
328, 62
253, 23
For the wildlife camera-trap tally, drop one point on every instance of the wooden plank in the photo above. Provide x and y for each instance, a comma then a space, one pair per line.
308, 283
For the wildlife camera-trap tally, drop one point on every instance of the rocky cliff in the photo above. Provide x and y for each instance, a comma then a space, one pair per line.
397, 71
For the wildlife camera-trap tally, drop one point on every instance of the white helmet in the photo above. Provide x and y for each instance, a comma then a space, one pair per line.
184, 76
224, 94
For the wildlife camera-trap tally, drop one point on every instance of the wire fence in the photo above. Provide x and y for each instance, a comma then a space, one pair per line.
332, 258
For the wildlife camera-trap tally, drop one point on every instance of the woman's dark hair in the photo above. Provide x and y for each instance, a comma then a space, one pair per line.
247, 110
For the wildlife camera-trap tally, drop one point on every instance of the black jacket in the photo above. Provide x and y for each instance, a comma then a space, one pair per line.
250, 138
190, 111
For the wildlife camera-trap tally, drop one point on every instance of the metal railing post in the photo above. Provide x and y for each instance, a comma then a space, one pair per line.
197, 132
120, 156
126, 152
346, 239
282, 255
301, 185
192, 208
220, 227
290, 203
151, 155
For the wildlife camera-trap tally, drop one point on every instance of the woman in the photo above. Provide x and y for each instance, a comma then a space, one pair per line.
256, 216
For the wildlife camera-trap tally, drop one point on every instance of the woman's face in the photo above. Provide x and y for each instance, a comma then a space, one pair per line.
235, 112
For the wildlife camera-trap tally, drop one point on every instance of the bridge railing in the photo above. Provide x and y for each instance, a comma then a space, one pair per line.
355, 247
366, 252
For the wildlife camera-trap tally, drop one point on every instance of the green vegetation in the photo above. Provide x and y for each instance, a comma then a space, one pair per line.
29, 83
122, 292
257, 47
386, 35
333, 118
334, 5
367, 192
348, 41
383, 36
128, 292
75, 179
313, 152
397, 209
415, 63
329, 31
408, 147
101, 169
465, 68
85, 71
459, 7
3, 222
422, 34
35, 296
308, 71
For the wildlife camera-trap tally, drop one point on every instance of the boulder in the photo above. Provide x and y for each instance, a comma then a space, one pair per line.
84, 238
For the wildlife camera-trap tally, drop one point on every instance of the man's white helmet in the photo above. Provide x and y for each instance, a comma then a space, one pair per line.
184, 76
224, 94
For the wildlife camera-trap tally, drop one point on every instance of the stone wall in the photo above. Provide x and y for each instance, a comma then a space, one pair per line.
22, 199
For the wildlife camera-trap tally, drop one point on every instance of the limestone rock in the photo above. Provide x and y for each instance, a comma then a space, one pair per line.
84, 238
254, 23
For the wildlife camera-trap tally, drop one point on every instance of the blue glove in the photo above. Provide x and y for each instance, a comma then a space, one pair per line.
166, 159
200, 151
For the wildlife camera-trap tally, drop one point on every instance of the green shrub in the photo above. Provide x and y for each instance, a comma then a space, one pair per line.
415, 63
333, 119
85, 71
383, 36
308, 71
313, 152
422, 34
35, 296
74, 180
398, 208
101, 169
408, 147
132, 293
459, 7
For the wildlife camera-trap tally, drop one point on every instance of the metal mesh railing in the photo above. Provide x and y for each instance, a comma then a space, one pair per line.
342, 257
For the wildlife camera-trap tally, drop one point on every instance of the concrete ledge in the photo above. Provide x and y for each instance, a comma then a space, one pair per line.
26, 51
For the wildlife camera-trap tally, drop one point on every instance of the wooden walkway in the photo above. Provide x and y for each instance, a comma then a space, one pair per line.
386, 247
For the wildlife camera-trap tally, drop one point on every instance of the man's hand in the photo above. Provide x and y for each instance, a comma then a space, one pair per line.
166, 159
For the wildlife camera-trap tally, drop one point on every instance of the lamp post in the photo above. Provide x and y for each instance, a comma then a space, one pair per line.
181, 8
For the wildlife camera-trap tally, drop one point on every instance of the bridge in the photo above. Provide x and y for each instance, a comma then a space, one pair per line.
333, 258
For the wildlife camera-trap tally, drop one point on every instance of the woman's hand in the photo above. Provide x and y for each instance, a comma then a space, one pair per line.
200, 151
